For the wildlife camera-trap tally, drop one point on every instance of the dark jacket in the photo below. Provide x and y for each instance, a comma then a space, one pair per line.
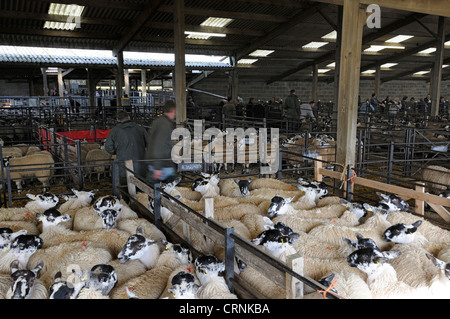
128, 141
292, 107
160, 150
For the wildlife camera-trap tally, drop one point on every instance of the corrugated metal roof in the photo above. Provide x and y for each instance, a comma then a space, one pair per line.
57, 56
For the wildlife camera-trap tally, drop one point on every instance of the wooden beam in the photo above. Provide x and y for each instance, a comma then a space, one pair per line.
437, 68
119, 78
143, 17
315, 83
352, 30
180, 61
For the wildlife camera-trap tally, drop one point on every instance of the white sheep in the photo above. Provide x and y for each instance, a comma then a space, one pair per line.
183, 286
440, 284
271, 183
104, 213
24, 283
7, 235
436, 177
53, 233
38, 204
61, 289
234, 187
101, 159
18, 225
381, 276
100, 280
68, 256
212, 286
21, 248
38, 165
151, 284
372, 228
350, 217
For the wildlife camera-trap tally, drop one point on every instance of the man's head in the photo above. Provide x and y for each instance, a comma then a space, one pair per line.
122, 116
312, 103
293, 92
170, 109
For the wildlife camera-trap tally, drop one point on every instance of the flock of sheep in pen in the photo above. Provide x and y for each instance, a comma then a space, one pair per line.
86, 248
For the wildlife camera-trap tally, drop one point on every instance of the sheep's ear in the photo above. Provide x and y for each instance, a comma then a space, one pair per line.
177, 196
344, 202
139, 230
236, 181
74, 191
290, 199
391, 254
436, 262
65, 197
38, 268
249, 180
349, 242
14, 266
268, 227
368, 207
417, 223
268, 221
31, 196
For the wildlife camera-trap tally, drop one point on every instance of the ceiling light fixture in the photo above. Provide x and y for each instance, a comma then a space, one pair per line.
314, 45
399, 38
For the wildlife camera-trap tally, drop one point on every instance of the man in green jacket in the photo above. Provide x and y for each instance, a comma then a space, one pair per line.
128, 141
161, 166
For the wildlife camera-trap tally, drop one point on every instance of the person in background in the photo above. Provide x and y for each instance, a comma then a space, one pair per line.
306, 110
126, 104
292, 106
443, 106
404, 104
161, 167
378, 105
229, 108
387, 103
128, 141
427, 100
192, 108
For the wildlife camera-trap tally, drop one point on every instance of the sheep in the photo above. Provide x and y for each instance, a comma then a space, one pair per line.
101, 159
151, 284
350, 217
381, 276
149, 230
101, 279
18, 225
440, 284
38, 165
141, 248
24, 283
437, 237
12, 152
74, 203
70, 255
38, 203
53, 234
436, 177
183, 286
32, 150
61, 289
281, 206
235, 187
104, 213
7, 235
212, 286
373, 228
21, 248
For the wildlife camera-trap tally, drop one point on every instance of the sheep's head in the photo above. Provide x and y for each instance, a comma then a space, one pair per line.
356, 207
22, 281
7, 236
184, 286
369, 260
244, 186
26, 244
443, 266
67, 290
276, 240
108, 208
361, 242
139, 247
102, 278
394, 202
45, 200
182, 252
169, 187
278, 206
52, 217
208, 266
401, 233
327, 281
85, 196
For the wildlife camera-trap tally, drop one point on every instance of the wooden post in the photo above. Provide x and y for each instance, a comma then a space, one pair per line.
45, 81
294, 287
420, 204
208, 209
60, 86
317, 166
437, 69
349, 77
315, 83
180, 61
131, 186
127, 81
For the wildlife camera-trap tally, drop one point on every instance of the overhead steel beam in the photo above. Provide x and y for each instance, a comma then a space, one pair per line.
143, 17
366, 39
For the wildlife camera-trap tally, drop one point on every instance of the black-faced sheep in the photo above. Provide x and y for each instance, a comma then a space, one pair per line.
24, 283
